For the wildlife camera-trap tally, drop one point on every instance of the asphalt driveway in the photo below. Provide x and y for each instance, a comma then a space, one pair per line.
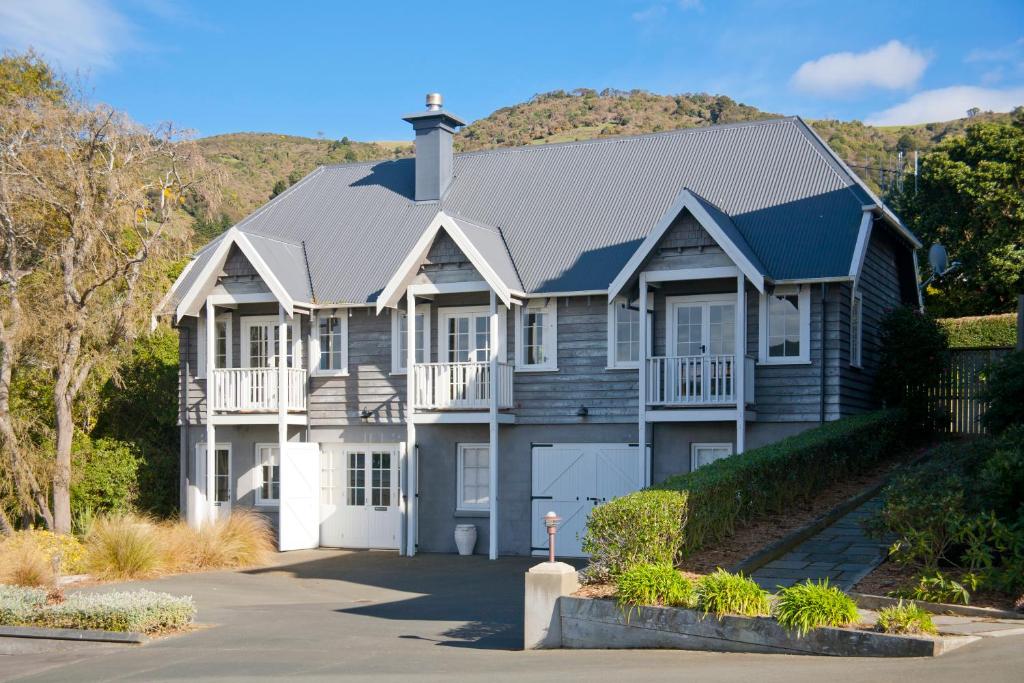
328, 614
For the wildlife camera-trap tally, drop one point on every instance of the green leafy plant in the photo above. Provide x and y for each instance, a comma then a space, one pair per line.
914, 353
808, 605
1004, 391
654, 584
938, 588
905, 618
981, 331
724, 593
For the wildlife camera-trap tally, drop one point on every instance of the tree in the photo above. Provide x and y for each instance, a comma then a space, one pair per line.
970, 198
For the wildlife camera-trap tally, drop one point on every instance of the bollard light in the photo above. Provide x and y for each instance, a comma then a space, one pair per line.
551, 521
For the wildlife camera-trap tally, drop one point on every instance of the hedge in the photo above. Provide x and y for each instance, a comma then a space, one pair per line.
709, 503
981, 331
138, 611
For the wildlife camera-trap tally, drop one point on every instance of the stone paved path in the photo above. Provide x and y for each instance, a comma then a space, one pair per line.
843, 553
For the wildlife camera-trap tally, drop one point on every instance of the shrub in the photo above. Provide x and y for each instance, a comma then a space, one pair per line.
914, 353
905, 618
138, 611
1004, 391
641, 528
981, 330
939, 588
654, 584
106, 476
244, 539
25, 564
65, 549
725, 593
809, 605
123, 546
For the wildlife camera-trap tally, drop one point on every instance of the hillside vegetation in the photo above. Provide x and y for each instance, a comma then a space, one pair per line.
257, 166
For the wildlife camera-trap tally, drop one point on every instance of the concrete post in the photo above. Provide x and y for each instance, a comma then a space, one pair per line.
542, 621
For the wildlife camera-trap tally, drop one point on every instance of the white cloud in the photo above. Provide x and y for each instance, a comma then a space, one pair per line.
652, 13
944, 104
72, 33
1004, 53
891, 66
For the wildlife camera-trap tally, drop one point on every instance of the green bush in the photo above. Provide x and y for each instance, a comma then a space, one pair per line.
138, 611
940, 588
645, 527
725, 593
905, 618
915, 350
654, 584
1004, 391
685, 512
981, 330
105, 476
809, 605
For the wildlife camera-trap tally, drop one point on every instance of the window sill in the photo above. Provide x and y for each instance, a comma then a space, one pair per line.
330, 373
795, 361
400, 373
634, 368
268, 505
528, 369
472, 513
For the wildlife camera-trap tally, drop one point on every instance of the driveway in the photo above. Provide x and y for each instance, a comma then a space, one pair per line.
332, 614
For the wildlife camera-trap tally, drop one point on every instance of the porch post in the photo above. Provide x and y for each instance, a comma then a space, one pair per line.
740, 364
282, 380
645, 470
211, 436
412, 454
493, 425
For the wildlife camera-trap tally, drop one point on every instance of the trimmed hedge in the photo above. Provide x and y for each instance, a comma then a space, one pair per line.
981, 330
138, 611
708, 504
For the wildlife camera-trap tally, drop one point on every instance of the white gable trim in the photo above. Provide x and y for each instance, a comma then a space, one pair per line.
685, 200
204, 283
860, 251
406, 273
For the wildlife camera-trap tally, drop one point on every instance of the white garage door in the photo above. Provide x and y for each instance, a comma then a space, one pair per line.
570, 479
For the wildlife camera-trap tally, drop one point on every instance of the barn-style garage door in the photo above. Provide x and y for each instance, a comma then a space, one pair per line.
570, 479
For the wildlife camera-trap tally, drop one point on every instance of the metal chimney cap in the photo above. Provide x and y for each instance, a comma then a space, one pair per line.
434, 101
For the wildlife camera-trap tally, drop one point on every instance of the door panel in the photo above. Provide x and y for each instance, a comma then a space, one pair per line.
299, 511
364, 509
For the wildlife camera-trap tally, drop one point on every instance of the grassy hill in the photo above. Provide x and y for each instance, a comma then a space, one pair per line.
255, 166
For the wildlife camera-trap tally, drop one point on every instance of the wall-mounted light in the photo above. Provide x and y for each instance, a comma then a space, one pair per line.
582, 411
366, 414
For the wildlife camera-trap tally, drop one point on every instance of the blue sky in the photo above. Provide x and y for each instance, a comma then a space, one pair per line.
353, 68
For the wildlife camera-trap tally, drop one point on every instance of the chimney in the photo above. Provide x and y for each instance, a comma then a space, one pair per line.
434, 129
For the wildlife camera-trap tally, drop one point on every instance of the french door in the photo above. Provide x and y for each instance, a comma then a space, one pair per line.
221, 477
259, 342
701, 347
359, 496
465, 345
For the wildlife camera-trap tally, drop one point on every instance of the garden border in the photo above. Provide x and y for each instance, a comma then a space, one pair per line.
74, 634
875, 602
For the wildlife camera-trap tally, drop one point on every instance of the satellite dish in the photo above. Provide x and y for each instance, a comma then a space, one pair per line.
938, 259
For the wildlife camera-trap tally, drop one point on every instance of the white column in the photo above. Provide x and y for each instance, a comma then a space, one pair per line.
493, 424
641, 432
211, 435
740, 364
282, 380
412, 457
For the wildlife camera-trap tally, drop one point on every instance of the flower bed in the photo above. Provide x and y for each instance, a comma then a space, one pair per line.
137, 611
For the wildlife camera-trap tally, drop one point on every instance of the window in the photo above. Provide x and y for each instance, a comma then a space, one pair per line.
327, 478
268, 482
221, 471
259, 341
380, 479
704, 453
473, 476
624, 332
785, 325
355, 479
221, 343
537, 335
856, 329
328, 347
400, 338
463, 334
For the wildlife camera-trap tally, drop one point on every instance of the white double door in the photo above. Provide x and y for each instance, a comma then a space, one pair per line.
569, 479
360, 496
701, 337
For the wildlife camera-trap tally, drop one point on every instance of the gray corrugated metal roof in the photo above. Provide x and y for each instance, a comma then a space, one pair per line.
491, 245
572, 214
287, 261
732, 232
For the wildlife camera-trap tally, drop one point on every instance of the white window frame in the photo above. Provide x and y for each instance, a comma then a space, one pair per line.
397, 357
549, 308
613, 363
314, 343
460, 503
201, 343
220, 446
258, 475
696, 446
803, 293
705, 301
248, 321
857, 329
447, 312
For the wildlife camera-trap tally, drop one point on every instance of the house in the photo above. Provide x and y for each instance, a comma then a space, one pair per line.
480, 338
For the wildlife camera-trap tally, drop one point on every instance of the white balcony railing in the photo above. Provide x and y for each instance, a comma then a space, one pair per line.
696, 380
254, 390
460, 386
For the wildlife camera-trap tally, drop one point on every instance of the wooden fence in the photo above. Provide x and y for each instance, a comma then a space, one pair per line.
958, 393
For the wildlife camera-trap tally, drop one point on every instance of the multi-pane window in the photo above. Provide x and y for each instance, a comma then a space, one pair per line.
705, 453
469, 338
785, 319
222, 344
355, 480
400, 337
268, 474
536, 336
856, 329
327, 478
380, 479
624, 332
332, 343
473, 477
222, 476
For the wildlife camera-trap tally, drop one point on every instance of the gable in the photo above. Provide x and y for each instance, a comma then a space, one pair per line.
446, 262
237, 265
687, 244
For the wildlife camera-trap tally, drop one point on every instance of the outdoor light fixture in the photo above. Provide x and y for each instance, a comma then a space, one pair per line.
366, 414
582, 412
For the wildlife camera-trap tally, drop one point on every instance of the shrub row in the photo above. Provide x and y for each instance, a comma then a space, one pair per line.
981, 330
684, 513
138, 611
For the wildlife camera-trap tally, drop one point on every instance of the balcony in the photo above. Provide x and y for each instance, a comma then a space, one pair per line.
704, 380
255, 390
460, 386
